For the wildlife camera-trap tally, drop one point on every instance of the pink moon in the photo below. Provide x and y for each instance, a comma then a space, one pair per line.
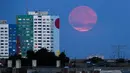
82, 18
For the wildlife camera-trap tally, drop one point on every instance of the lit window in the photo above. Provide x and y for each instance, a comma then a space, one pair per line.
27, 19
19, 19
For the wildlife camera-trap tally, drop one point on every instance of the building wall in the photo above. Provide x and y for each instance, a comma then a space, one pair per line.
4, 39
24, 33
43, 32
46, 34
12, 39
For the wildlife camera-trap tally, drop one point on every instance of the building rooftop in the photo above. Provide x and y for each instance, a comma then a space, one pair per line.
38, 13
3, 21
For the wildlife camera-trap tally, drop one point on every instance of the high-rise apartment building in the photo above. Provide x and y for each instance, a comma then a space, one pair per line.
4, 39
37, 30
24, 33
45, 31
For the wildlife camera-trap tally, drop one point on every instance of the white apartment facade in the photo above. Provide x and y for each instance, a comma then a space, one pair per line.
4, 39
45, 33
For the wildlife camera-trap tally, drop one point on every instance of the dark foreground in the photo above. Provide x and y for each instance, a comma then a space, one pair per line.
67, 70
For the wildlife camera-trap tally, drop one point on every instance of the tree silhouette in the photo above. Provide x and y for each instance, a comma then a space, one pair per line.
95, 59
43, 56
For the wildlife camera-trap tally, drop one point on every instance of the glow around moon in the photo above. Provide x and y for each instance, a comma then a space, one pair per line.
82, 18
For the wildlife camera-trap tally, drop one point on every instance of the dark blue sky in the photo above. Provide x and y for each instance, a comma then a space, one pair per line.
112, 26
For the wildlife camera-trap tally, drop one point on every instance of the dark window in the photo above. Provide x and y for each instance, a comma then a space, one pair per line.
39, 19
39, 37
35, 22
2, 46
39, 25
39, 16
47, 28
39, 34
39, 22
47, 19
48, 32
39, 41
39, 44
2, 28
1, 53
2, 40
47, 37
39, 31
2, 43
39, 28
47, 25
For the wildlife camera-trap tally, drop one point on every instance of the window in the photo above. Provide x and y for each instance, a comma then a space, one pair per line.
39, 16
47, 40
43, 25
6, 53
35, 25
51, 31
35, 19
35, 31
43, 19
2, 44
39, 22
39, 44
27, 34
6, 43
39, 31
39, 34
35, 22
47, 25
6, 34
44, 28
47, 28
48, 32
2, 28
44, 22
39, 37
47, 37
39, 41
6, 37
52, 38
2, 40
39, 25
47, 19
19, 19
2, 53
39, 28
28, 19
52, 19
39, 19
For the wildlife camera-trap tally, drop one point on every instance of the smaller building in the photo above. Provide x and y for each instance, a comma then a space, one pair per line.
4, 39
12, 39
99, 56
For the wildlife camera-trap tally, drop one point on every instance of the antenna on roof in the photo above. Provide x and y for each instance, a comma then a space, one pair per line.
26, 6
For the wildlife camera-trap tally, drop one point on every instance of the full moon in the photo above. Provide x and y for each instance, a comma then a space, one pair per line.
82, 18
